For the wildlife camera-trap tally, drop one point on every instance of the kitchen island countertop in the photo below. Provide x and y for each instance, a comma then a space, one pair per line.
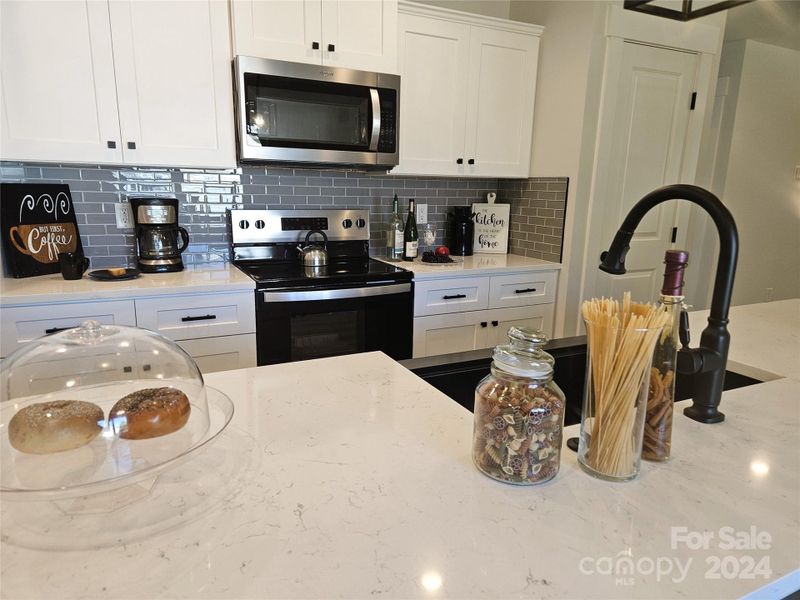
357, 482
47, 289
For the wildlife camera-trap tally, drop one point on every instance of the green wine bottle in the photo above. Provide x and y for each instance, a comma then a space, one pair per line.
410, 234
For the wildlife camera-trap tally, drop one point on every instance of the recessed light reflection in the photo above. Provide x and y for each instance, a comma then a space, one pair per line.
759, 468
431, 581
70, 383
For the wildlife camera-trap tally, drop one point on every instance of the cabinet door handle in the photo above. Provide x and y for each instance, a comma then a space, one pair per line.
199, 318
331, 48
525, 291
55, 330
459, 161
484, 323
495, 323
315, 45
471, 161
454, 297
111, 144
131, 145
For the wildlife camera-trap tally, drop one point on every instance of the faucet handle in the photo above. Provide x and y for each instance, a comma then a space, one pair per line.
683, 329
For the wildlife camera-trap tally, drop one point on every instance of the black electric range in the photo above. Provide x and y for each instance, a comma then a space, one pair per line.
353, 304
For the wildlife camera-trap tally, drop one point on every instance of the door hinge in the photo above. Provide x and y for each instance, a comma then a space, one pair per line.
674, 234
694, 100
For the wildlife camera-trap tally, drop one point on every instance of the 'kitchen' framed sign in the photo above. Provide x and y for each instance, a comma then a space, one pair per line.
37, 221
491, 227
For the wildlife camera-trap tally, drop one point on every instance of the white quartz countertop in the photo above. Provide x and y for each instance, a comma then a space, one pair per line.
477, 264
765, 338
350, 477
47, 289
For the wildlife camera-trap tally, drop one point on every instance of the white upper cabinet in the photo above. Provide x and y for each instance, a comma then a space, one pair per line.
354, 34
279, 29
57, 94
502, 84
467, 98
173, 66
124, 81
433, 60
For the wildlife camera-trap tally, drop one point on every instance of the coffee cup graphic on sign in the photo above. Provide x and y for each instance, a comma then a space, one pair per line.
37, 223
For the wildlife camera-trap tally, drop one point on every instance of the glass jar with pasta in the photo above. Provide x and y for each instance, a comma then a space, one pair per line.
519, 413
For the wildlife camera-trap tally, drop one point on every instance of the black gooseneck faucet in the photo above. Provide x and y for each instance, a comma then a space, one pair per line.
705, 364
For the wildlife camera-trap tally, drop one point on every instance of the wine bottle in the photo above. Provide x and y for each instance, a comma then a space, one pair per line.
658, 420
395, 233
410, 234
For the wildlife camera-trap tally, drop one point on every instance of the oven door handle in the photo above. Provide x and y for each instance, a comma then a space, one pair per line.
339, 294
376, 119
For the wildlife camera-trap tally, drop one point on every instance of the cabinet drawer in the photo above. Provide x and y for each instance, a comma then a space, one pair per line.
222, 353
21, 324
198, 316
522, 289
450, 295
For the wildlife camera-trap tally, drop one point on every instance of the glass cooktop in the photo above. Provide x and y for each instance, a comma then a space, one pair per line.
281, 274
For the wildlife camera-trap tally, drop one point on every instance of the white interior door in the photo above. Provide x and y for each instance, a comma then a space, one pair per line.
433, 71
279, 29
58, 101
502, 85
642, 137
362, 33
173, 66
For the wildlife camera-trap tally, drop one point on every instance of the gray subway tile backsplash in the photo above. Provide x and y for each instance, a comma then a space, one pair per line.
205, 195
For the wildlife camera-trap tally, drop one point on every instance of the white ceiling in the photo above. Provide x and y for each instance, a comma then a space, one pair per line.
775, 22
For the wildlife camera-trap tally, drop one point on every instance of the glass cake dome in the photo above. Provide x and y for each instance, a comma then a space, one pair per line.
98, 407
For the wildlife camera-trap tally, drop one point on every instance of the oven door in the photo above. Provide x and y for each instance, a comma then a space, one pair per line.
306, 324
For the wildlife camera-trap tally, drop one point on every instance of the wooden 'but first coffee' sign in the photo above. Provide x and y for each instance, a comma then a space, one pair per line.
37, 221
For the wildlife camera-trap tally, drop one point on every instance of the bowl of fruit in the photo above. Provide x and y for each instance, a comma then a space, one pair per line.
440, 256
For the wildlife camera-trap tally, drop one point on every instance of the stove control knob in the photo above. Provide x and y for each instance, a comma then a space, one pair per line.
260, 224
360, 223
244, 224
347, 223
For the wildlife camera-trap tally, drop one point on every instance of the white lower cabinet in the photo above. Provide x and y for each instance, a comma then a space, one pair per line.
222, 353
469, 313
216, 329
461, 332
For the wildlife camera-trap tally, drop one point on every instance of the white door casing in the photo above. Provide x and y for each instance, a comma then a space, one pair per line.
643, 131
500, 92
279, 29
57, 92
174, 121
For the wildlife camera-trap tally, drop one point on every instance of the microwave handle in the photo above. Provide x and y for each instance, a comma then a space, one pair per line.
376, 119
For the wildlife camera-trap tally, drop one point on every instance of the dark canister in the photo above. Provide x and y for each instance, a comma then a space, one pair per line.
73, 264
461, 231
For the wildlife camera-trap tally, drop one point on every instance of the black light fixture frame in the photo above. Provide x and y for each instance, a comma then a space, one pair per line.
686, 13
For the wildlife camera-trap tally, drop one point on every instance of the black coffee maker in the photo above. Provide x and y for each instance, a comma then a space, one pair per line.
158, 249
461, 231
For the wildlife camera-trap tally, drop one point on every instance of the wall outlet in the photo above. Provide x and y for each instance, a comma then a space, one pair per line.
124, 215
422, 214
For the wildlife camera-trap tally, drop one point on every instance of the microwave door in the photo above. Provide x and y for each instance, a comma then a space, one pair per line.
376, 119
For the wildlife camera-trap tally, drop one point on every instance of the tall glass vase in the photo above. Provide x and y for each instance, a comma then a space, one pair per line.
615, 400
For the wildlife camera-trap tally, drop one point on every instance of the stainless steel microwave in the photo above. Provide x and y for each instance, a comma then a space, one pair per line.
312, 114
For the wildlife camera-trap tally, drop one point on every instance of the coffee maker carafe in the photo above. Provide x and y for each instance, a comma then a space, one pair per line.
158, 249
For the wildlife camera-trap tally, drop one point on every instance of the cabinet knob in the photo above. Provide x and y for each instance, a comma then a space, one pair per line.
471, 161
495, 323
111, 144
315, 45
484, 323
331, 48
459, 161
131, 145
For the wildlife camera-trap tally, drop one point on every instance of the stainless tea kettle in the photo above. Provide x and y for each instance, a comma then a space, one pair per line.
314, 255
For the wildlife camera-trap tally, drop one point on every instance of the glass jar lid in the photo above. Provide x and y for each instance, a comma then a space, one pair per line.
523, 355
